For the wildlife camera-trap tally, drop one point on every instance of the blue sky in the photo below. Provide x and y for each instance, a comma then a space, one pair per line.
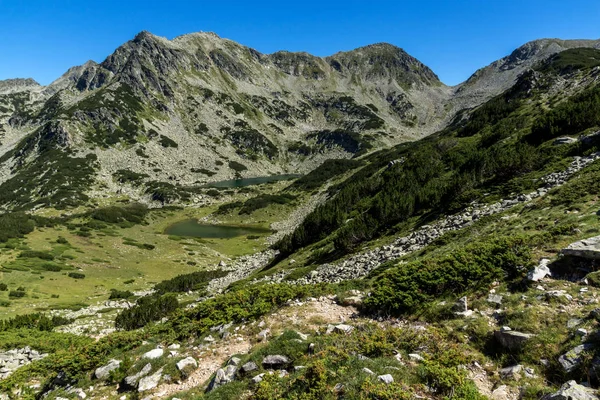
42, 38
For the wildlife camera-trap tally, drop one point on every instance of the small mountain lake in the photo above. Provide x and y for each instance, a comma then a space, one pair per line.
193, 228
238, 183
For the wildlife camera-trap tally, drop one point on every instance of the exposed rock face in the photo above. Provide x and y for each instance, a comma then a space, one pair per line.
153, 354
571, 390
587, 248
222, 377
131, 381
18, 85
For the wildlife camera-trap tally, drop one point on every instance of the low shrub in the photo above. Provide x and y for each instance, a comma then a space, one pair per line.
404, 288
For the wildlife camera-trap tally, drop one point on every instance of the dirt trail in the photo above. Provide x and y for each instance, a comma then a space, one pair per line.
304, 316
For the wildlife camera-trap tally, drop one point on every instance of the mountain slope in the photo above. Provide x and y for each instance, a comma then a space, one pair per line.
179, 113
502, 74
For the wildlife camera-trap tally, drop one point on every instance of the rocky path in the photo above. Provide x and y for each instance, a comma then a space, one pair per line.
296, 315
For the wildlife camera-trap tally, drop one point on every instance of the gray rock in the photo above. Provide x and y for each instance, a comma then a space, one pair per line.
512, 340
494, 298
258, 378
235, 361
275, 362
461, 305
343, 328
187, 363
132, 380
150, 382
249, 367
387, 378
571, 359
263, 335
511, 372
572, 391
587, 248
222, 377
368, 371
153, 354
104, 371
540, 272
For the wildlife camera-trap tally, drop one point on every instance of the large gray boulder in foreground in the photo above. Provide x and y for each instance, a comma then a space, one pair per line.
586, 248
573, 391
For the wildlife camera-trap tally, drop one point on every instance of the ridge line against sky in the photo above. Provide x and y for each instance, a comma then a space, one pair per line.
42, 39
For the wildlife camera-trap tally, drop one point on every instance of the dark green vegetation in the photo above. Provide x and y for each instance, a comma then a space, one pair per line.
166, 142
352, 142
54, 177
329, 169
501, 148
130, 177
251, 143
184, 283
572, 60
133, 214
403, 289
146, 310
255, 203
265, 200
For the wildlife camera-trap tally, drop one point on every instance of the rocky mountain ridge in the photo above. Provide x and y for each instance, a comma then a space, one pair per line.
174, 114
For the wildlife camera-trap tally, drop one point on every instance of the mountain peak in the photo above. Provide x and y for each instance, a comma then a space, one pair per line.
384, 60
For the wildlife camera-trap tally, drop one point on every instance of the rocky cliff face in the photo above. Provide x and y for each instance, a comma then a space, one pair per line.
196, 108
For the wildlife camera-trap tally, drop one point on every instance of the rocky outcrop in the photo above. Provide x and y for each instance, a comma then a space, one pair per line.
150, 382
587, 248
12, 360
187, 364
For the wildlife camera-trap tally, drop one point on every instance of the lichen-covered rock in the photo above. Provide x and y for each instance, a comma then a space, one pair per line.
571, 390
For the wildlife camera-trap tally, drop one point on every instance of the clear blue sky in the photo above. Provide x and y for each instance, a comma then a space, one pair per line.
43, 38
